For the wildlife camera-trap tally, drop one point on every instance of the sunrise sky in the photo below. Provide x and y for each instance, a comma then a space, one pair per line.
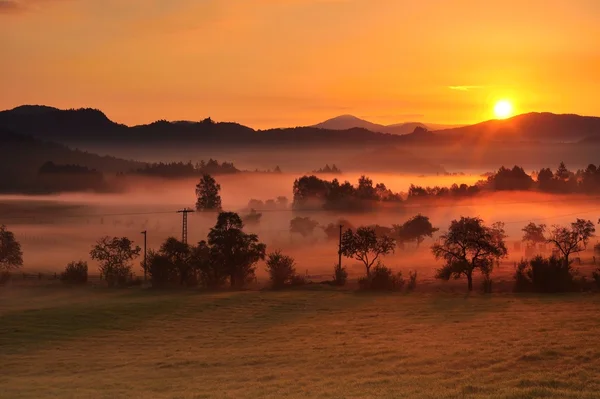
268, 63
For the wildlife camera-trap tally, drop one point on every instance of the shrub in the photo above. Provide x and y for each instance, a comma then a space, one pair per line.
597, 249
412, 281
340, 275
544, 275
75, 273
281, 269
382, 279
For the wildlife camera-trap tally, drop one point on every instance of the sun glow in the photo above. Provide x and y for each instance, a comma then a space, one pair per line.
503, 109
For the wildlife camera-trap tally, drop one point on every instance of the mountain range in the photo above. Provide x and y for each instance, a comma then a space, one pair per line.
85, 126
345, 122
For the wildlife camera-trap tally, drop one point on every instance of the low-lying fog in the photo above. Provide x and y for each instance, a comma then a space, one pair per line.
57, 229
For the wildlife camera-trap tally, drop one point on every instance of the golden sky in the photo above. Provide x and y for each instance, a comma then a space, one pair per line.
268, 63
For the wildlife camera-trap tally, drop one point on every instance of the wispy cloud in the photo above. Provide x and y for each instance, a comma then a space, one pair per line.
465, 88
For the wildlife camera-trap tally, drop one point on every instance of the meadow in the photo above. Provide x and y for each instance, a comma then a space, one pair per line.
311, 342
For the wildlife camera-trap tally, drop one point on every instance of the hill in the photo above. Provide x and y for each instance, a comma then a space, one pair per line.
532, 127
23, 158
345, 122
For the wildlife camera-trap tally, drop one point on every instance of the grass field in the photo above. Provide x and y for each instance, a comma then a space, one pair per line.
95, 343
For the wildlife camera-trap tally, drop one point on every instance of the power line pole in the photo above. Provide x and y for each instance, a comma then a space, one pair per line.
340, 249
184, 225
145, 264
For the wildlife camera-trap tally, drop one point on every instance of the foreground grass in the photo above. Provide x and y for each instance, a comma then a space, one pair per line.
298, 344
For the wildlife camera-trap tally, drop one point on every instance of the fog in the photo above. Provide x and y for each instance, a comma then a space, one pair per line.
57, 229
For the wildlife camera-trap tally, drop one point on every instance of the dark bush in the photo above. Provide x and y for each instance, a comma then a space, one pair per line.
340, 275
282, 270
412, 281
382, 279
75, 273
544, 275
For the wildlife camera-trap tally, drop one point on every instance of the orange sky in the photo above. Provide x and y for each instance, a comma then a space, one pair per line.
267, 63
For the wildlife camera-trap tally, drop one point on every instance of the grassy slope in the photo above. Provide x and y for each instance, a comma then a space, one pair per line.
330, 344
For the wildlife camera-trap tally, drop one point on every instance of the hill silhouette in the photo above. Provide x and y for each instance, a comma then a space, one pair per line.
24, 158
535, 126
90, 126
345, 122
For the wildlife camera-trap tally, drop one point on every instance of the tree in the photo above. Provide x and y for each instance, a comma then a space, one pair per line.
415, 229
204, 260
303, 226
573, 239
252, 218
364, 245
178, 254
115, 255
533, 234
281, 269
207, 191
234, 250
11, 256
469, 245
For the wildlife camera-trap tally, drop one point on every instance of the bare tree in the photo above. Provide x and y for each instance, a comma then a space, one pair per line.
364, 245
572, 240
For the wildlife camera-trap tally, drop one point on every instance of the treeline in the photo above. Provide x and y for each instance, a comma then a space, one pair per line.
69, 177
229, 256
181, 169
310, 192
560, 181
328, 170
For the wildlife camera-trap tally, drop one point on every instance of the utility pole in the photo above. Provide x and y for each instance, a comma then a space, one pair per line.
340, 249
184, 212
145, 264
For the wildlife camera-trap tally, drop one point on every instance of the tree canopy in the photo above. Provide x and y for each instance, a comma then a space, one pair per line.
115, 255
11, 256
207, 192
235, 250
573, 239
469, 245
366, 246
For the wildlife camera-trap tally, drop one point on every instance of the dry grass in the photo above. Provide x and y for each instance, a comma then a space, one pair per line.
94, 343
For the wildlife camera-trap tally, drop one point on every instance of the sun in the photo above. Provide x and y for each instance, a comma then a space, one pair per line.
503, 109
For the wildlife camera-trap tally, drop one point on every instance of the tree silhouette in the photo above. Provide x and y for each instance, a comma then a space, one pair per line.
207, 191
304, 226
533, 234
11, 256
415, 229
364, 245
236, 251
281, 269
469, 245
115, 255
572, 240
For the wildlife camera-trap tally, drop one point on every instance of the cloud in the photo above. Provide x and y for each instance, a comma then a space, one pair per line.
465, 88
